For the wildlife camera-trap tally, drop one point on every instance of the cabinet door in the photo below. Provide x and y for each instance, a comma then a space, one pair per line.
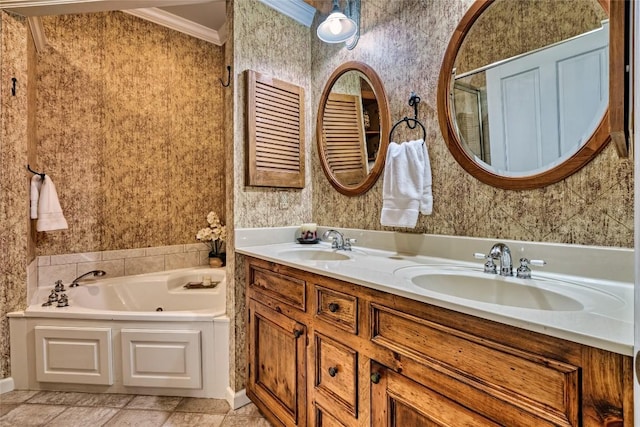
397, 401
276, 367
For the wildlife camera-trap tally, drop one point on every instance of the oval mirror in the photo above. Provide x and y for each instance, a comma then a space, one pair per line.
523, 90
353, 128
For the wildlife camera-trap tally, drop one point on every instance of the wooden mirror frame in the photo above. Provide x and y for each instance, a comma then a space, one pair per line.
584, 155
385, 127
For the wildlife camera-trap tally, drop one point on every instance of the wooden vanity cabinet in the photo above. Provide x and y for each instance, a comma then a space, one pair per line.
368, 358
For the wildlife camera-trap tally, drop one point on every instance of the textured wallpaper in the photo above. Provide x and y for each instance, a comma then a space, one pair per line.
129, 127
271, 43
405, 41
14, 196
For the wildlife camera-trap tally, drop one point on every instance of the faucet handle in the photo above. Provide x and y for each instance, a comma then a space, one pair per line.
59, 286
348, 241
524, 272
489, 266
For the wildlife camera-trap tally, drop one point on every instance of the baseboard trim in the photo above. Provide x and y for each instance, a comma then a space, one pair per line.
237, 399
7, 385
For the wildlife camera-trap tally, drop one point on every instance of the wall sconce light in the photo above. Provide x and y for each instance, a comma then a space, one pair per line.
342, 27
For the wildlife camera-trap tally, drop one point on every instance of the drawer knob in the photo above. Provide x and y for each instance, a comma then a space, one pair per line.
333, 307
333, 371
375, 377
297, 333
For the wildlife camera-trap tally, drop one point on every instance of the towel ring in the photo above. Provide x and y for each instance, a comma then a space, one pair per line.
407, 120
35, 173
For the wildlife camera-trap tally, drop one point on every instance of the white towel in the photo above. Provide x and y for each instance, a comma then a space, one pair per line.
36, 182
406, 188
45, 205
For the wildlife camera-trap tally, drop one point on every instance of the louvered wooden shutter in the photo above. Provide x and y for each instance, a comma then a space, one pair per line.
343, 138
275, 132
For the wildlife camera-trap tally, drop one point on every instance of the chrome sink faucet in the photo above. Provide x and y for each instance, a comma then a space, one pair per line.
338, 241
95, 273
501, 252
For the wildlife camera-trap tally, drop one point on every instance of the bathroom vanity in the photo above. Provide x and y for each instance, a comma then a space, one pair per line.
324, 351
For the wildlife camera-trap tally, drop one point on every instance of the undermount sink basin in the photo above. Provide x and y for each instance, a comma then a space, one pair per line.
538, 294
313, 255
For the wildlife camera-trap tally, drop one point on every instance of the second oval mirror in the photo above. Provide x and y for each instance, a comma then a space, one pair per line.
353, 128
523, 92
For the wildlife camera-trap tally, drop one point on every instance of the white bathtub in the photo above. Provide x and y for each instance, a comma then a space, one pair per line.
143, 334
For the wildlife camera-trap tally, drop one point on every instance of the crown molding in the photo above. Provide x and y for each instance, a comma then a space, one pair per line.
60, 7
37, 31
296, 9
169, 20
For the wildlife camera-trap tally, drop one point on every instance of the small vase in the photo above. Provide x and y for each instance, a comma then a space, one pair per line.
215, 262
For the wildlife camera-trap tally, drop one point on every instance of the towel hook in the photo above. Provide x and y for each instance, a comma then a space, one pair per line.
35, 173
414, 100
228, 77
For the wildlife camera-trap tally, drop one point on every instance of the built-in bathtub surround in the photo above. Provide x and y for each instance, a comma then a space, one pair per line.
125, 262
136, 334
404, 41
129, 122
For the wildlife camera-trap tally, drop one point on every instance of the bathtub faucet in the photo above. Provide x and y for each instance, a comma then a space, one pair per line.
95, 273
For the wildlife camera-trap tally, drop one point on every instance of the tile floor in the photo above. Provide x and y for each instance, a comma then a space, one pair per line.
52, 408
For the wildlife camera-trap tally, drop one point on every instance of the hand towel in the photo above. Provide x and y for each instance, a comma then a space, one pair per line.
36, 182
50, 215
406, 189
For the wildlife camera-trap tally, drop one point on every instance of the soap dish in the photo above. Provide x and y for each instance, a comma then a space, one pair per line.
308, 242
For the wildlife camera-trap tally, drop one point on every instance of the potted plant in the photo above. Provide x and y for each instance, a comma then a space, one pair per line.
214, 235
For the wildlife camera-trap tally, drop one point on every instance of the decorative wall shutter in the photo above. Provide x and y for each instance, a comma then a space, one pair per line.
275, 132
343, 138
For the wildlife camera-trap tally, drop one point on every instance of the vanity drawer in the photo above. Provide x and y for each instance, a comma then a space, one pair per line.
336, 372
286, 289
337, 308
539, 385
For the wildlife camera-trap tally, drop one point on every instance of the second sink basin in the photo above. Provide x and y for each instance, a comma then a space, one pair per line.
537, 294
496, 290
313, 255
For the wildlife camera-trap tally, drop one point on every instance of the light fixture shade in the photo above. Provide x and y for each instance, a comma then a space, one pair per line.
337, 28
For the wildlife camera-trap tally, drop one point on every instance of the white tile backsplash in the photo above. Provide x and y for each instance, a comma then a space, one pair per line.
183, 260
148, 264
48, 275
124, 253
75, 258
113, 268
163, 250
66, 267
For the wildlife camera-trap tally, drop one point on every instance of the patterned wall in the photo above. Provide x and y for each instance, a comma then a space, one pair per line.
130, 129
14, 197
405, 42
271, 43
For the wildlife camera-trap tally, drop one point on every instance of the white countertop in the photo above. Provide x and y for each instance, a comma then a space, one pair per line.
605, 323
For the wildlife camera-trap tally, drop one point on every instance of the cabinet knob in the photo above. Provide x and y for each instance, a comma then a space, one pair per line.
297, 333
333, 371
375, 377
333, 307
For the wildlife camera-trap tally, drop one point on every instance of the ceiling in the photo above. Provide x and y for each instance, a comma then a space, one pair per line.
204, 19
